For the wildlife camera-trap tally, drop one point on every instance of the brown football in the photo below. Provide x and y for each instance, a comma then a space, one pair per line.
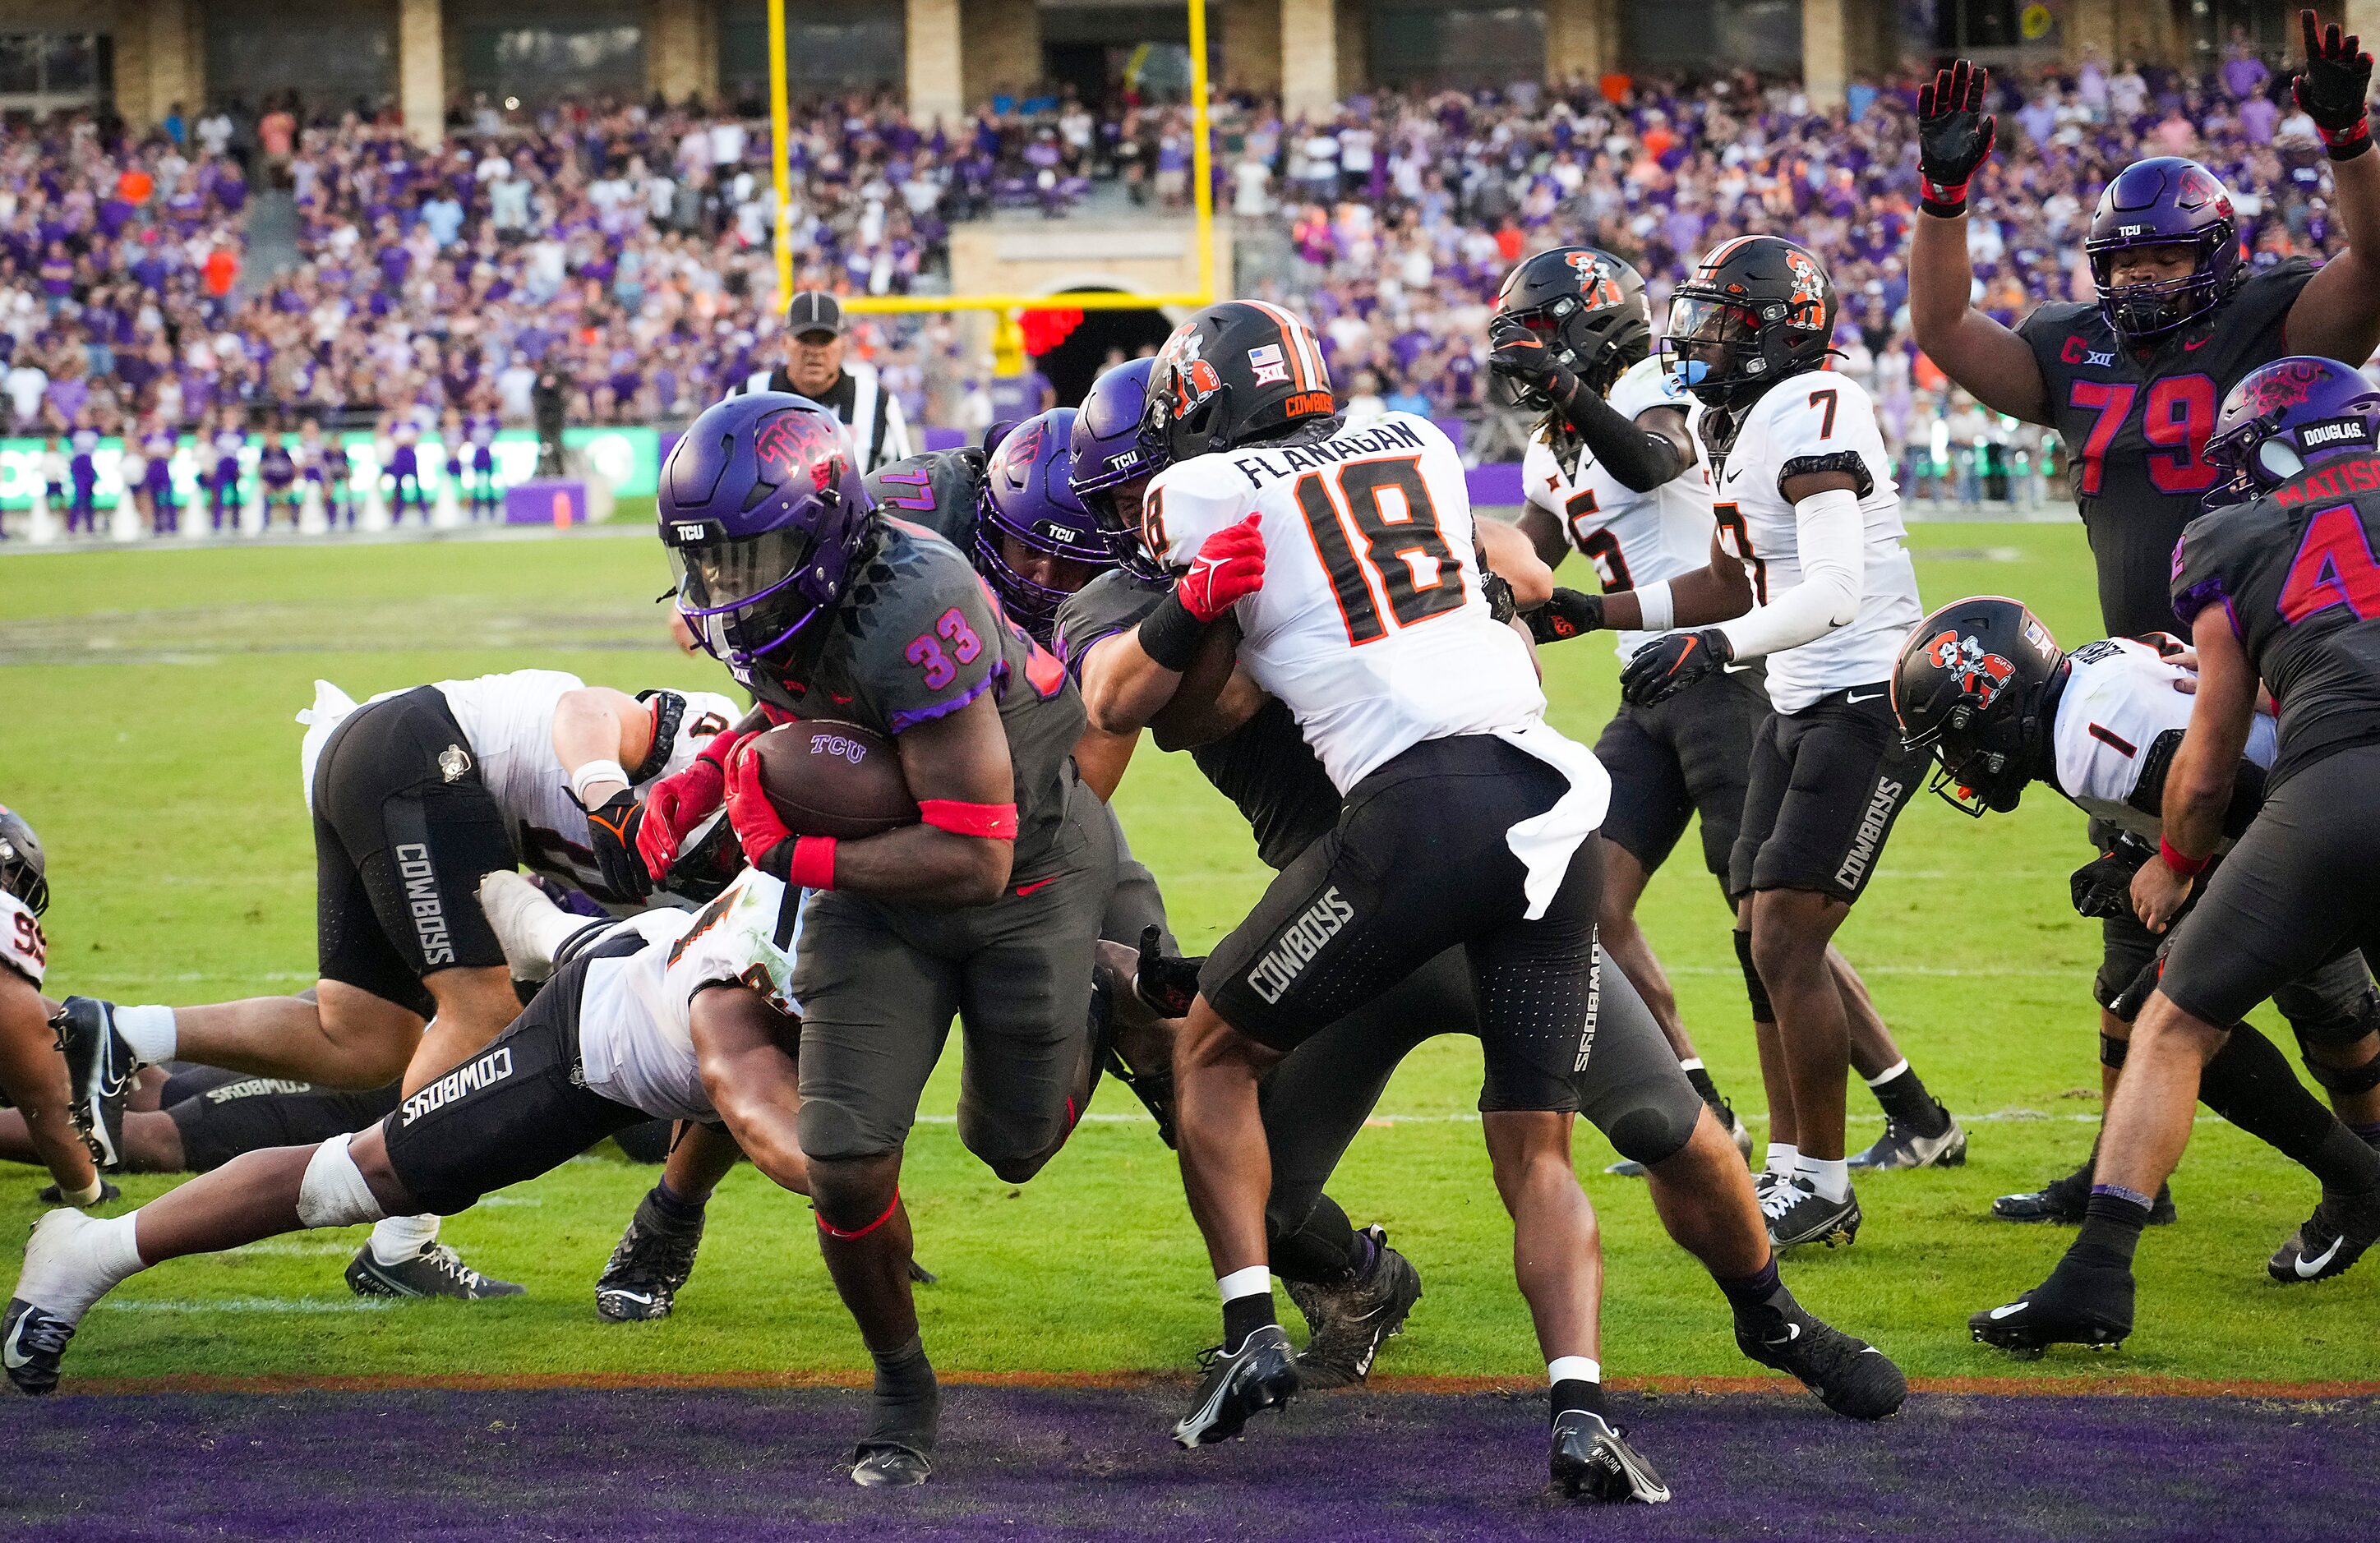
829, 778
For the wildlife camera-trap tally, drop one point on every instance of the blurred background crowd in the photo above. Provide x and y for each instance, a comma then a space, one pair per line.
329, 268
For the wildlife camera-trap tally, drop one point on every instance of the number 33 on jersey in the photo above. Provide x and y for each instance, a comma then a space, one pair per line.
1371, 625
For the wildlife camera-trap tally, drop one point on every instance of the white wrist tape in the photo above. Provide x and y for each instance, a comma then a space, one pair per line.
596, 771
332, 1192
1653, 600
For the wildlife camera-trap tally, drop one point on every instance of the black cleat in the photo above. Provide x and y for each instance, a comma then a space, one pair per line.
2085, 1305
1796, 1215
1592, 1457
437, 1270
897, 1451
2333, 1238
50, 1194
1900, 1147
100, 1071
1258, 1376
32, 1342
1348, 1324
1850, 1375
2064, 1200
885, 1465
642, 1278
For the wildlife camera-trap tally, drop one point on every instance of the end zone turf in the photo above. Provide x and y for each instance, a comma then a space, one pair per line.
1036, 1463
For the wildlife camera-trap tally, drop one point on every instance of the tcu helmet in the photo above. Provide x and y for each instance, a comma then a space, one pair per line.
1763, 306
1232, 374
23, 871
1590, 309
2165, 201
763, 513
1028, 497
2285, 420
1109, 455
1972, 687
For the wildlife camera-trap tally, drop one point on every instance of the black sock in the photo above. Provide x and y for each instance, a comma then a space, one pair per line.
2248, 1082
1577, 1393
1906, 1102
908, 1402
1243, 1315
677, 1207
2111, 1229
1701, 1078
1323, 1251
2344, 1161
1760, 1299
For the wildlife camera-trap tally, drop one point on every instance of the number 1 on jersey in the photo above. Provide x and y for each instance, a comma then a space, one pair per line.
1398, 552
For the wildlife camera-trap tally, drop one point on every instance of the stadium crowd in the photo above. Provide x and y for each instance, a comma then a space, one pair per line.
626, 249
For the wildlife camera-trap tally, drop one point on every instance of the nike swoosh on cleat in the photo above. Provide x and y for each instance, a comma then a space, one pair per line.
1998, 1313
11, 1357
2308, 1269
644, 1298
1792, 1332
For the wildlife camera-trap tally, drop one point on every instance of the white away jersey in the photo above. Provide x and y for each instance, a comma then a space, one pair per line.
1631, 538
1801, 420
636, 1013
1370, 624
2118, 718
22, 946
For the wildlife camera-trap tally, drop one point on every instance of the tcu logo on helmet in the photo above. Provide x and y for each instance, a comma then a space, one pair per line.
1016, 451
798, 441
1979, 675
2283, 386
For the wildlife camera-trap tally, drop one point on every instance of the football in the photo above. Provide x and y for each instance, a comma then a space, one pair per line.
830, 777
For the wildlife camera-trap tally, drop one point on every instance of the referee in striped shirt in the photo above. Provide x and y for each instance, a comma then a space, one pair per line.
814, 367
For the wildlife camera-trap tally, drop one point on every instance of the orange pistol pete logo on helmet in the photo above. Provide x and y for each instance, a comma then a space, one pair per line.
1981, 676
1595, 283
1806, 305
1193, 383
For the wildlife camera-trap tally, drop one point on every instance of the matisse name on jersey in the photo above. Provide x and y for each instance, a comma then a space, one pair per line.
1271, 465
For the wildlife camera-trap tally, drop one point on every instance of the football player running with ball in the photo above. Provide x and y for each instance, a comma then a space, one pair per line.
2279, 585
1806, 570
1614, 471
2131, 382
988, 909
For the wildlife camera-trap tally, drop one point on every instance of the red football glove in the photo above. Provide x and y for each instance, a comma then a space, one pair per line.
679, 802
759, 827
1228, 570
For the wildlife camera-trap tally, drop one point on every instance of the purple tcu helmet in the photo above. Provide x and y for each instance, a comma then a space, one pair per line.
2165, 201
2285, 420
1109, 455
762, 512
1028, 498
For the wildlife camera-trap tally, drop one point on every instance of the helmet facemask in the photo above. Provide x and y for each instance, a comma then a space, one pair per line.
1713, 349
2145, 312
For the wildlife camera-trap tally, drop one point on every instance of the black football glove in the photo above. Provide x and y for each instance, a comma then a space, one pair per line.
1954, 136
1498, 591
2103, 887
1165, 983
1672, 662
2334, 88
612, 830
1571, 614
1518, 354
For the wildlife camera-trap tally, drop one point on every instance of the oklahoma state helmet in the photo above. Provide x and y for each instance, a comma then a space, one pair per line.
1234, 374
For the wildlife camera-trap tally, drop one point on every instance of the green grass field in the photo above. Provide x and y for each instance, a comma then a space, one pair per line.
148, 699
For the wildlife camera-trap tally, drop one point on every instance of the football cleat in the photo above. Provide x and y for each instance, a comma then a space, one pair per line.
642, 1278
1797, 1214
884, 1465
32, 1342
1850, 1375
1900, 1147
437, 1270
2333, 1238
1736, 1132
1260, 1375
2066, 1200
1592, 1457
1348, 1324
99, 1069
897, 1451
2080, 1304
50, 1194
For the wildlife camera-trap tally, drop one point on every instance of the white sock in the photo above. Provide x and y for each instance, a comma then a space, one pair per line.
1574, 1369
150, 1032
1887, 1074
1783, 1158
395, 1239
73, 1260
1255, 1281
1830, 1178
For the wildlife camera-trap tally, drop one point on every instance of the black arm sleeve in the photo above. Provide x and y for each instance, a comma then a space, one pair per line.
1638, 458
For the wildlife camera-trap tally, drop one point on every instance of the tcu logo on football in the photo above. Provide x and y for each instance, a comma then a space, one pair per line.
1980, 674
851, 751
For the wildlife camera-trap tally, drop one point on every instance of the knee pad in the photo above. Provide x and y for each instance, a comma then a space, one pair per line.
1657, 1122
1761, 1012
2338, 1079
2112, 1051
332, 1192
